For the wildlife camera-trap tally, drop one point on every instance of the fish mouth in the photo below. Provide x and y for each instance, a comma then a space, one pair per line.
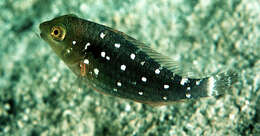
42, 35
43, 28
43, 25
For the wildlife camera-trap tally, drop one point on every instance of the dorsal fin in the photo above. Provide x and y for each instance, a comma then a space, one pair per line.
72, 15
164, 60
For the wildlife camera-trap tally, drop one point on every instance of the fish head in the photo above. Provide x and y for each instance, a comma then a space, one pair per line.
63, 35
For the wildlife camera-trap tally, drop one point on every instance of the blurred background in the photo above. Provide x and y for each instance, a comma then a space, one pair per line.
40, 96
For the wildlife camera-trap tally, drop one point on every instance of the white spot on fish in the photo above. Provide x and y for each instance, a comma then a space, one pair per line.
74, 42
188, 88
142, 63
102, 35
166, 86
157, 71
96, 71
103, 54
173, 76
198, 82
68, 50
165, 98
132, 56
188, 95
184, 80
140, 93
86, 61
117, 45
115, 89
119, 84
144, 79
123, 67
107, 57
81, 65
86, 46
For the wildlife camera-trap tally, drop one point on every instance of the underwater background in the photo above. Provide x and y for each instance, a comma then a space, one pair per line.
39, 95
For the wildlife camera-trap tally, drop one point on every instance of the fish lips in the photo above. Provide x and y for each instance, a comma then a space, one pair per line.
43, 29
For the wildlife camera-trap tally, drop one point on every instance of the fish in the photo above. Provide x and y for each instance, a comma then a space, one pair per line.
114, 63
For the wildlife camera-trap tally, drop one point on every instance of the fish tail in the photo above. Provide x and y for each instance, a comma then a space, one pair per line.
216, 85
220, 83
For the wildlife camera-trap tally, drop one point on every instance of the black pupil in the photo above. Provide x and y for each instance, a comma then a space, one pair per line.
56, 32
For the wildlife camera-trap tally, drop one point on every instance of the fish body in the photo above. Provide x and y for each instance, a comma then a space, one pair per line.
116, 64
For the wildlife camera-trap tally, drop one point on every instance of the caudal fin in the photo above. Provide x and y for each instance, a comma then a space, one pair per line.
219, 84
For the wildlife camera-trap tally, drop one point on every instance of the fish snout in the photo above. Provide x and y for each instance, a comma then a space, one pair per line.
43, 29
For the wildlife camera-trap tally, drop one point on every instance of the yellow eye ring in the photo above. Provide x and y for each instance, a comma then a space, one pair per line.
58, 33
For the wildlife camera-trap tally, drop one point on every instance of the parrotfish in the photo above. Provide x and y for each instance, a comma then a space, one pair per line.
114, 63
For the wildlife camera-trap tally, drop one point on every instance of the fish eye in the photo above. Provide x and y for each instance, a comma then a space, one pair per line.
58, 33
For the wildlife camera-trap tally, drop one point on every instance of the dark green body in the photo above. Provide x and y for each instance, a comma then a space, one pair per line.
112, 68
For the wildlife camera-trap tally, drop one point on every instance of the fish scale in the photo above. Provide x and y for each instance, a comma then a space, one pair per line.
114, 63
